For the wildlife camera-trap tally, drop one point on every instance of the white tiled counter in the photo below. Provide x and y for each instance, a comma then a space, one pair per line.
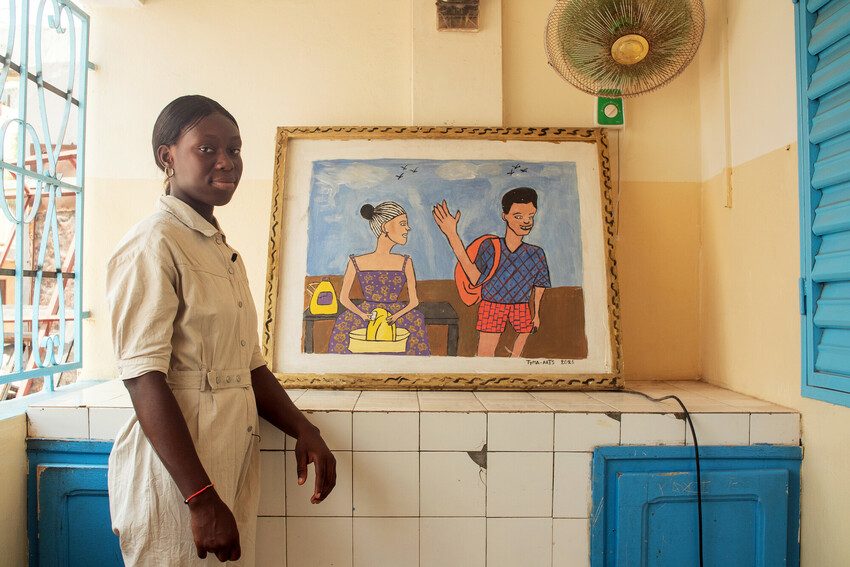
451, 478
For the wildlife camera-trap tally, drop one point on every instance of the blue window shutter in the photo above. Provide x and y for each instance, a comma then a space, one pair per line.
823, 76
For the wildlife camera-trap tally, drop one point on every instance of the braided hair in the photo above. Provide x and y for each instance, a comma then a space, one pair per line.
381, 214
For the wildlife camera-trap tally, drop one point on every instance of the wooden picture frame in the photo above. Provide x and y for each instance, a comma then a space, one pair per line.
324, 174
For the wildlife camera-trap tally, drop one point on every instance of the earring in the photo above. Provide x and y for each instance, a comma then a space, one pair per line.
169, 173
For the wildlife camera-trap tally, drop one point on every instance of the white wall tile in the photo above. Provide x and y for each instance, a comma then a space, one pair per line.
271, 438
448, 401
572, 402
452, 431
338, 503
294, 394
386, 431
629, 402
719, 429
58, 422
572, 543
94, 396
519, 485
327, 400
571, 497
122, 401
585, 431
451, 484
271, 542
314, 542
104, 423
387, 401
511, 402
452, 542
386, 541
386, 484
335, 427
272, 484
512, 542
651, 429
520, 431
776, 428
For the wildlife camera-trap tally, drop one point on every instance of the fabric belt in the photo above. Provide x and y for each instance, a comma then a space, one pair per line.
208, 379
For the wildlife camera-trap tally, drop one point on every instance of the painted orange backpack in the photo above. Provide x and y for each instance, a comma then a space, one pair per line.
471, 294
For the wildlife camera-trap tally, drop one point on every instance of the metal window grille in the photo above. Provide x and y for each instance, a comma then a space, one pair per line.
44, 58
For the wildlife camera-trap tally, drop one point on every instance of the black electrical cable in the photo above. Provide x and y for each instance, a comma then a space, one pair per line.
696, 455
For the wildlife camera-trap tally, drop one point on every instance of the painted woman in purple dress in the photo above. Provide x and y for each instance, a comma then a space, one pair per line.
382, 275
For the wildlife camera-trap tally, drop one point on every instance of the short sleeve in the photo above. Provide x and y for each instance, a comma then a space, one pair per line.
257, 359
484, 259
542, 278
143, 301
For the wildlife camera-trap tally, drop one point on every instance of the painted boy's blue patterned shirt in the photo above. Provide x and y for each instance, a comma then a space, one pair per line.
518, 272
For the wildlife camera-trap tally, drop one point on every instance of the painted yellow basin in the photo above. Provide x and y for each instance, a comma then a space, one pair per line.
358, 344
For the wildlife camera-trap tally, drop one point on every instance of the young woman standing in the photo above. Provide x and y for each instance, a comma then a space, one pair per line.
184, 471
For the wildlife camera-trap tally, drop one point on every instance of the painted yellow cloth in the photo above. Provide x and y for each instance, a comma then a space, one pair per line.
180, 304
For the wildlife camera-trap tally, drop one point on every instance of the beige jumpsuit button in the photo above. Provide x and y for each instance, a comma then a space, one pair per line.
244, 343
250, 428
218, 240
240, 304
238, 378
229, 270
229, 379
218, 380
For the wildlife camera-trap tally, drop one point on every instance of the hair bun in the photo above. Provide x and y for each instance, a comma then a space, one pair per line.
367, 211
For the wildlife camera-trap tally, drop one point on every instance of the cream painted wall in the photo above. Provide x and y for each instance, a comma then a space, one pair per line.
749, 45
659, 174
13, 497
297, 62
750, 253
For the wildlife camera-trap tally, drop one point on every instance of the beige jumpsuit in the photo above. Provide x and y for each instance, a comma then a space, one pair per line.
180, 305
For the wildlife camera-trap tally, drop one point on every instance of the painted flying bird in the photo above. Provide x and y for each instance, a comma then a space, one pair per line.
511, 172
400, 175
404, 167
524, 169
414, 170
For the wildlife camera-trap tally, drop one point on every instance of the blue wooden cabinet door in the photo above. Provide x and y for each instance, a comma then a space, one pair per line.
73, 517
645, 511
743, 518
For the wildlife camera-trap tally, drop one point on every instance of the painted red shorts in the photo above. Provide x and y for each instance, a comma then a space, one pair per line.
492, 317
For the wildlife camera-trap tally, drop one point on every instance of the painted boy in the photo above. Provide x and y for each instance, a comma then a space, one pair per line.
519, 280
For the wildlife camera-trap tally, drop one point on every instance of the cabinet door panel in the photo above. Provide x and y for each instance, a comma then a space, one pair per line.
744, 518
73, 517
645, 506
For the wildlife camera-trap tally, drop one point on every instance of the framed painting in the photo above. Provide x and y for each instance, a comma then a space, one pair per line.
442, 258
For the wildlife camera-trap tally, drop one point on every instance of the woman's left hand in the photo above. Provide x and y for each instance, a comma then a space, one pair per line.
311, 448
393, 318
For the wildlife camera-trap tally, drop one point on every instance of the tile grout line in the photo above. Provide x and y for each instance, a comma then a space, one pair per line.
552, 501
486, 487
419, 483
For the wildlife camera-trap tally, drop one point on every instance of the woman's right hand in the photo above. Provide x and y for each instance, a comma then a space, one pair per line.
214, 527
363, 315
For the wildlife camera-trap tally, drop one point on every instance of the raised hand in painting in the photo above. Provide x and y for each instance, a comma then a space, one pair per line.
445, 220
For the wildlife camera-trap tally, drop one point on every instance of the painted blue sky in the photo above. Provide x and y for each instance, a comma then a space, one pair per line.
340, 187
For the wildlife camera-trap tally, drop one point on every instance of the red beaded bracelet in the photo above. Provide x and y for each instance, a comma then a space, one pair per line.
210, 485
